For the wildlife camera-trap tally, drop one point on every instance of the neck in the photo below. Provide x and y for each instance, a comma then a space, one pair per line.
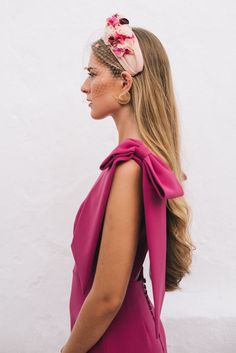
126, 123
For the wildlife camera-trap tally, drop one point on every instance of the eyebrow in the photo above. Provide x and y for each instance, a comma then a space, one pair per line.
89, 68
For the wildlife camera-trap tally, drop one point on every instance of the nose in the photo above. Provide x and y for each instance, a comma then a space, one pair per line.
84, 89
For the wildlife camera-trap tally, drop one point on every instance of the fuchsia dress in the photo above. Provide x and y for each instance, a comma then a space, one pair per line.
137, 327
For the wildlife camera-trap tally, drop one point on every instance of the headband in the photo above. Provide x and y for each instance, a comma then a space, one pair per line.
122, 41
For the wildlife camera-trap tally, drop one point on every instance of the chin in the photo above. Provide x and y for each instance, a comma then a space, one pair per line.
98, 116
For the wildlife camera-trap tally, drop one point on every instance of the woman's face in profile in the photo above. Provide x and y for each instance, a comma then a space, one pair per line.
100, 88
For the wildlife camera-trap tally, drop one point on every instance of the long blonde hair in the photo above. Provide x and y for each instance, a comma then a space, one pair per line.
154, 106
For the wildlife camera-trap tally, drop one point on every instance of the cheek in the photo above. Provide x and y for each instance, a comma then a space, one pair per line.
97, 89
102, 89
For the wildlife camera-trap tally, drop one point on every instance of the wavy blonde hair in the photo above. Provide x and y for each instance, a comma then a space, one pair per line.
154, 106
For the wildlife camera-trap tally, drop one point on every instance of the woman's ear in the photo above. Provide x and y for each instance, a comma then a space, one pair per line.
126, 80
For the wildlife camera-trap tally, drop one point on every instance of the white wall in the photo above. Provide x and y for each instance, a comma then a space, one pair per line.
51, 150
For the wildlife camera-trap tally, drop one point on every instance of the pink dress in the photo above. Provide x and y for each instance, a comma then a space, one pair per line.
137, 327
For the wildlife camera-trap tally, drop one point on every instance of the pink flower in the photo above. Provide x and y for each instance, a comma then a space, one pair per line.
119, 51
122, 49
114, 20
109, 32
119, 35
125, 30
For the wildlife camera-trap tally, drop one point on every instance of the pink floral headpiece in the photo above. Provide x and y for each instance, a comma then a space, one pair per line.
120, 38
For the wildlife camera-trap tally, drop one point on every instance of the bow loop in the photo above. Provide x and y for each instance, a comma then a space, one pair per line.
122, 155
162, 177
159, 173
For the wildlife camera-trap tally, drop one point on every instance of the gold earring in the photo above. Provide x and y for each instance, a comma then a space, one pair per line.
124, 98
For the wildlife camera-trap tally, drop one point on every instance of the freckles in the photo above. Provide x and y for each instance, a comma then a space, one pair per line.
99, 88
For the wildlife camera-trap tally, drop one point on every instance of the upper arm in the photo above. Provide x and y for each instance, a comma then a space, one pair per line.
120, 233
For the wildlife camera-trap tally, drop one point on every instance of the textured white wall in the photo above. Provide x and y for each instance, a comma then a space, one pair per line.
51, 150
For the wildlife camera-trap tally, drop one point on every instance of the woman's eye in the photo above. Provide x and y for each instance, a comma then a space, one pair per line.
91, 74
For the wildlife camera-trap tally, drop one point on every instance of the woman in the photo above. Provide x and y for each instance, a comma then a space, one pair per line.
136, 204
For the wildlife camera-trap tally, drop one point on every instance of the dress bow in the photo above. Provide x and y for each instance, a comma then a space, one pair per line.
159, 173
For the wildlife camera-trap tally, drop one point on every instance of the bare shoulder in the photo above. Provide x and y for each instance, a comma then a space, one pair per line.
126, 187
128, 172
129, 166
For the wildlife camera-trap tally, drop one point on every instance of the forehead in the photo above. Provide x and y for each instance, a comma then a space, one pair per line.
94, 64
98, 67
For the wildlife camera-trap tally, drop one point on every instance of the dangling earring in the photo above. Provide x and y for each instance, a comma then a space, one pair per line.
123, 98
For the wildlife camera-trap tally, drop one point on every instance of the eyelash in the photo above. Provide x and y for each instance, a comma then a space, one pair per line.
91, 74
